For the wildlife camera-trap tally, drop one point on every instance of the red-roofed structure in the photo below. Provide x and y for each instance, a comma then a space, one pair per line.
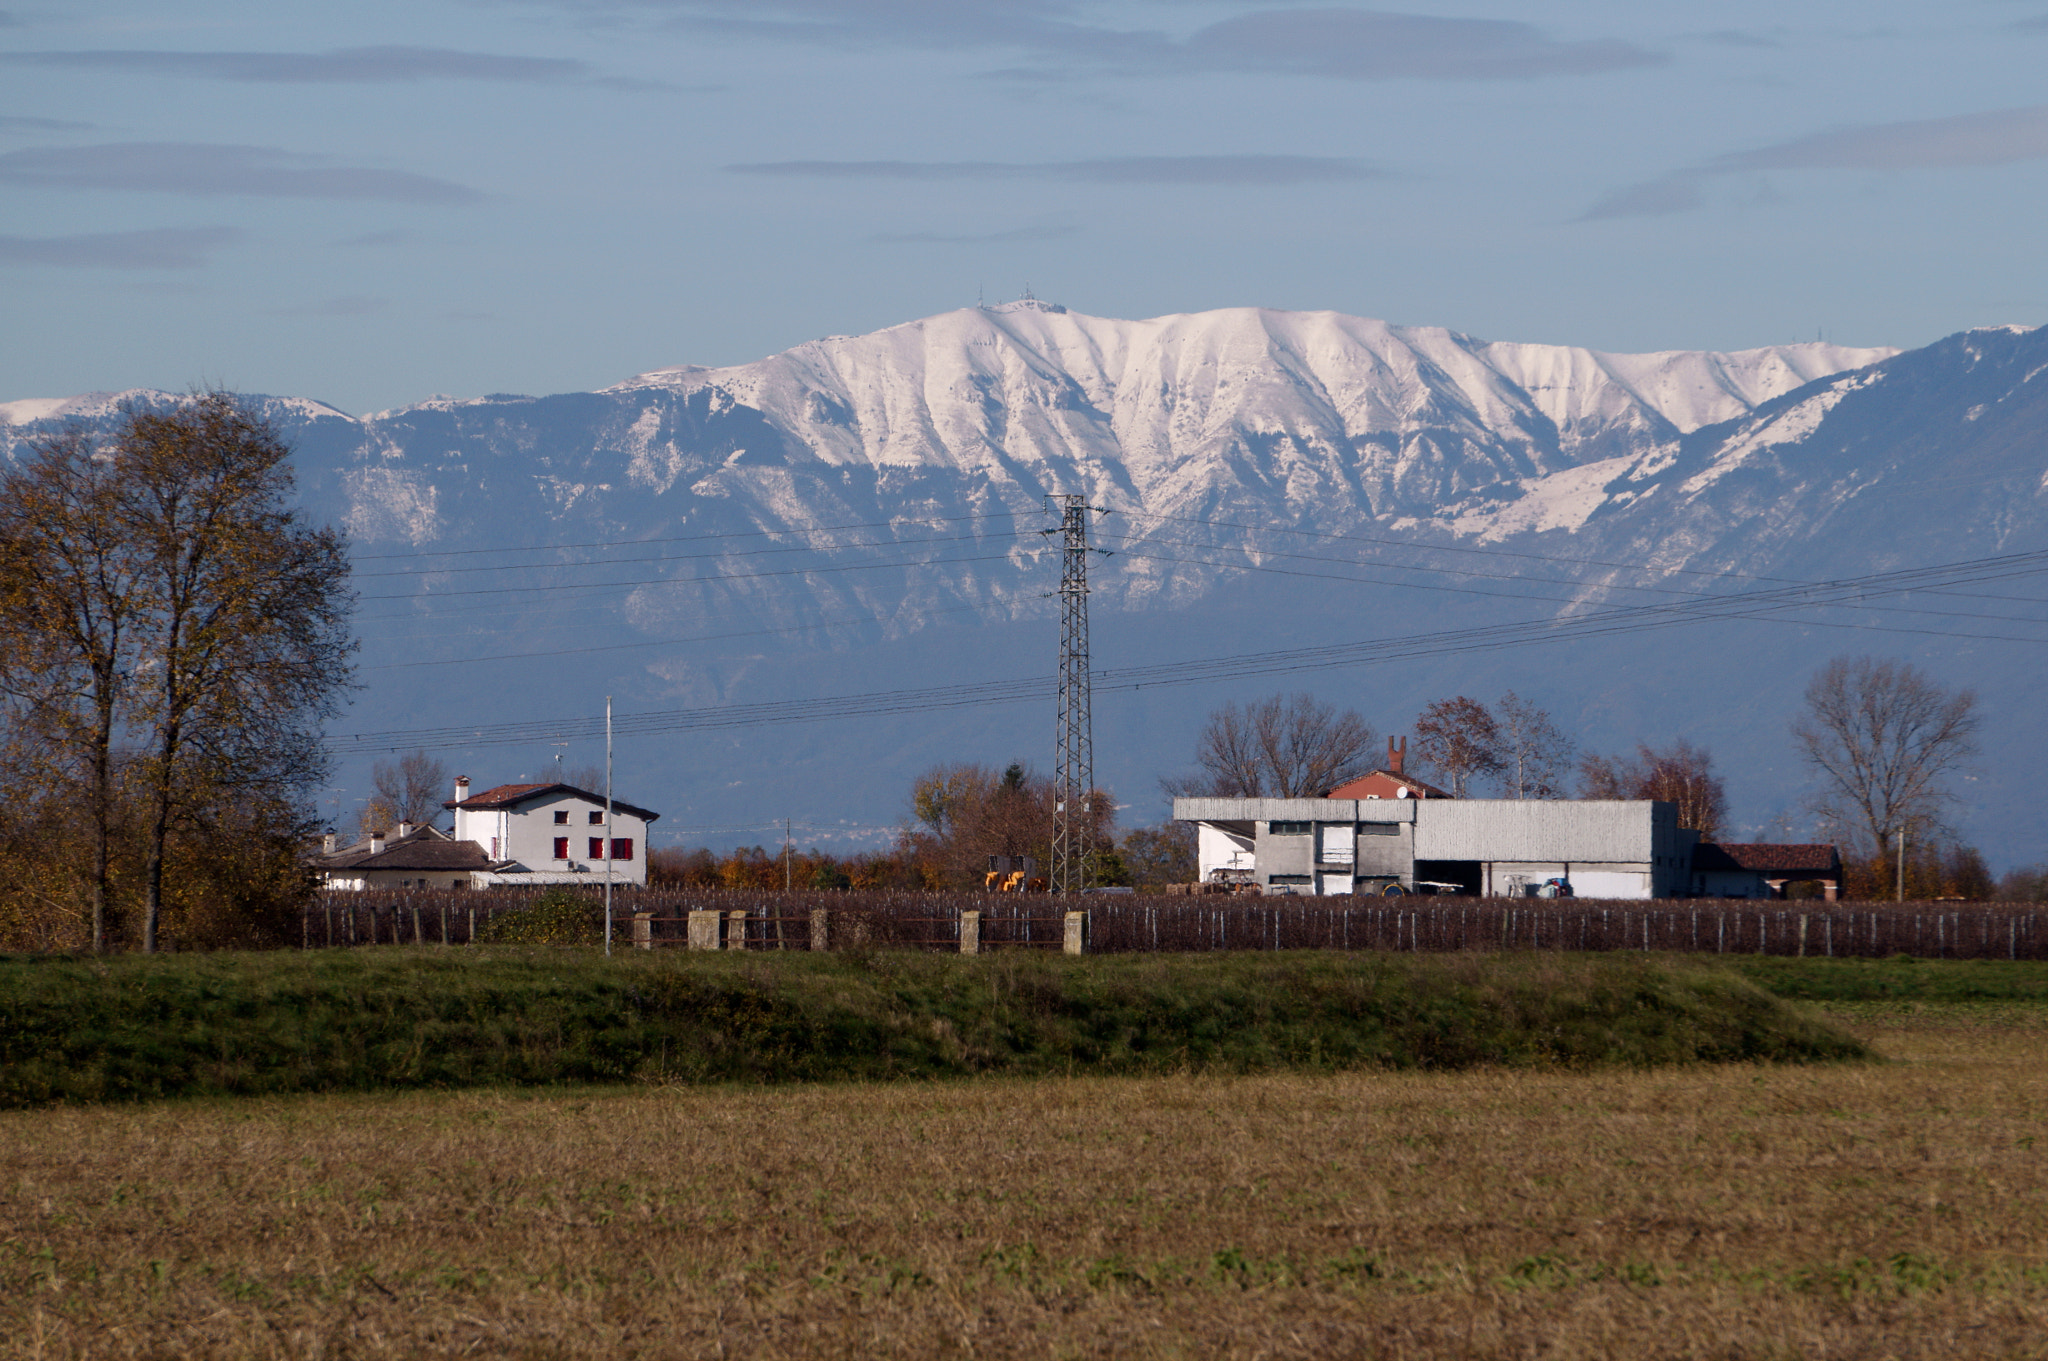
1762, 869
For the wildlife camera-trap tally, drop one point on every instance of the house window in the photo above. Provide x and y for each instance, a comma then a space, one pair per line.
1288, 879
597, 848
1287, 829
597, 817
561, 848
622, 848
562, 816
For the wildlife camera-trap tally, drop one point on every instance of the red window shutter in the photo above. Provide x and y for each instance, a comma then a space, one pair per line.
597, 848
561, 848
622, 848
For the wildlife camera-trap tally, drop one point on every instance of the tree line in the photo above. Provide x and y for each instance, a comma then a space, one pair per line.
1881, 742
172, 634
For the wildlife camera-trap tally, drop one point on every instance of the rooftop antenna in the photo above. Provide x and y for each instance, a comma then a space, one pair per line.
560, 747
981, 295
1029, 296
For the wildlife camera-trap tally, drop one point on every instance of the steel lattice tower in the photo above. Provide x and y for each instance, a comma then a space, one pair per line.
1074, 746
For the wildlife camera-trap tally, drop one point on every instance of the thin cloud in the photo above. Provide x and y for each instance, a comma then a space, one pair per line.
983, 239
1999, 137
160, 248
15, 123
1339, 42
206, 169
2037, 24
355, 305
393, 237
348, 65
1734, 37
1654, 199
1232, 170
1362, 44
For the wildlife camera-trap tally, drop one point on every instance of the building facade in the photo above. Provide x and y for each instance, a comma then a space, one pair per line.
551, 833
1491, 847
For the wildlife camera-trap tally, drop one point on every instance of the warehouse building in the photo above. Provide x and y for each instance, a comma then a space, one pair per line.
1492, 847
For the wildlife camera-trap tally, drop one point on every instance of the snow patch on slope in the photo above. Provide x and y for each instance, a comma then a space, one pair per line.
1786, 427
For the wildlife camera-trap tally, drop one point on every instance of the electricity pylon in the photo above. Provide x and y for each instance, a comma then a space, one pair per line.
1073, 762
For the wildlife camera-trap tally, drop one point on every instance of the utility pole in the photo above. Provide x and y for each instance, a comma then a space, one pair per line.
1073, 774
608, 826
788, 850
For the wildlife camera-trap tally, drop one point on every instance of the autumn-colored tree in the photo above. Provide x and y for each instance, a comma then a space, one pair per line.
1682, 774
1940, 868
962, 814
1459, 741
69, 600
1158, 856
243, 646
168, 625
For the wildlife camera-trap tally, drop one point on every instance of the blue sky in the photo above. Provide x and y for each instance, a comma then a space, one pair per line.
370, 203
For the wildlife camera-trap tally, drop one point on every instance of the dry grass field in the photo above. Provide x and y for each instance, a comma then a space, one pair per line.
1897, 1209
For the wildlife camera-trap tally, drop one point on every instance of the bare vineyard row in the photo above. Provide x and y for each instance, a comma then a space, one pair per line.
1132, 923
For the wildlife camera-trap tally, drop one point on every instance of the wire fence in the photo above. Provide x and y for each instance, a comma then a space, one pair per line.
759, 919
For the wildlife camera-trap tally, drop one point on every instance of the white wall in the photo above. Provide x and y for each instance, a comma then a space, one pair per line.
1216, 848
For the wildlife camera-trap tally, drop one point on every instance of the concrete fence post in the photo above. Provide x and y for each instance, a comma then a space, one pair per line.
821, 928
1077, 933
643, 930
970, 933
736, 930
704, 930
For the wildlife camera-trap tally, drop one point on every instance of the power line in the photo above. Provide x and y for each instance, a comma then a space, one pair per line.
1763, 605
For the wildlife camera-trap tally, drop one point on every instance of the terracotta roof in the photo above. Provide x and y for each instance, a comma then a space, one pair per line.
1788, 858
502, 796
512, 795
1426, 789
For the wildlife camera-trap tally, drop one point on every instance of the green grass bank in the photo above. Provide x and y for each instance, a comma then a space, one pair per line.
130, 1027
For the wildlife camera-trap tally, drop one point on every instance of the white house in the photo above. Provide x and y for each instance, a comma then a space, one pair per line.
551, 834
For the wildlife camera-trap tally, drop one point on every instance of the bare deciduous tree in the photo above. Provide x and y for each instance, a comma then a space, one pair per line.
1535, 754
1286, 747
410, 789
1884, 737
1458, 740
1682, 774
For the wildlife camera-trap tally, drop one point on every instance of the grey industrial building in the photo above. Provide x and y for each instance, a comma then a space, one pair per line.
1504, 847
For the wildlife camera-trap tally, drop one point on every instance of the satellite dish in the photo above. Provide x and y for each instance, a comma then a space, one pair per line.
1404, 792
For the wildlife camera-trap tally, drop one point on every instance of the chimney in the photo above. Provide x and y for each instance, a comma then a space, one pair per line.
1397, 757
460, 827
461, 788
376, 843
404, 830
327, 844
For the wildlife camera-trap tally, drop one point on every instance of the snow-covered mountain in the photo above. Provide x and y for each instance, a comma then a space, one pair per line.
864, 513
